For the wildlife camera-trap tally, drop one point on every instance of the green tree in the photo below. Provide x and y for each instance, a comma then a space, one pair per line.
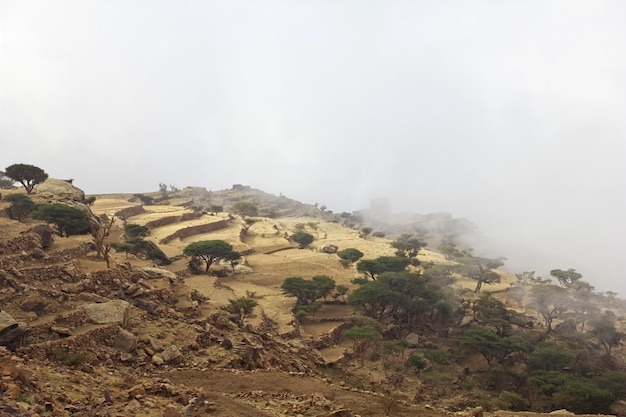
362, 337
566, 278
365, 232
135, 230
210, 251
603, 328
68, 220
480, 269
490, 345
215, 208
233, 259
242, 307
307, 291
244, 209
375, 267
407, 245
21, 206
325, 285
27, 175
350, 255
378, 234
550, 301
303, 239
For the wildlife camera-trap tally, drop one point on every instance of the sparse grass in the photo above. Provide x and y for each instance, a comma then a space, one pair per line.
70, 359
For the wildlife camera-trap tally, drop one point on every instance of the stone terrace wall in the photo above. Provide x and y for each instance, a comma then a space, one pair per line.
164, 221
130, 212
196, 230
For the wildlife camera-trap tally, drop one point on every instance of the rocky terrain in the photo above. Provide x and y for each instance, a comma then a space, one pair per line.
148, 338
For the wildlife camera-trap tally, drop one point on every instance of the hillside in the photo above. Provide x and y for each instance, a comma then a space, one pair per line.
147, 337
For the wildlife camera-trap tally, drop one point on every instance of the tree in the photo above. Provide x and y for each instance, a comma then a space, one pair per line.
480, 269
233, 259
303, 239
407, 245
100, 232
566, 278
603, 328
135, 230
490, 345
209, 251
244, 209
378, 234
325, 285
6, 182
215, 208
550, 301
68, 220
361, 337
27, 175
242, 306
21, 206
307, 291
350, 255
375, 267
365, 232
342, 290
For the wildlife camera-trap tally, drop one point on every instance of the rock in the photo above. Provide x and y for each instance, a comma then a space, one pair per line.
171, 354
412, 339
61, 331
137, 391
46, 234
160, 273
105, 313
35, 303
125, 341
37, 253
157, 360
7, 322
330, 249
60, 188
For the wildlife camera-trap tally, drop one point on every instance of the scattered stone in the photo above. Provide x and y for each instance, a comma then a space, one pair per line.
171, 354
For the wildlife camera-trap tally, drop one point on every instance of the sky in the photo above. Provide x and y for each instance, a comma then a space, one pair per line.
509, 113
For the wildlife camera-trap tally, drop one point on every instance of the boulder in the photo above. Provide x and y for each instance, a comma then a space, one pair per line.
160, 273
125, 340
7, 322
46, 234
412, 339
330, 249
35, 303
60, 188
172, 354
106, 313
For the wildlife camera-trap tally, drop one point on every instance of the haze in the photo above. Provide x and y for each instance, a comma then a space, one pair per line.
511, 114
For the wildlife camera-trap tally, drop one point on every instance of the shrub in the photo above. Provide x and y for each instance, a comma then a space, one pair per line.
135, 230
417, 361
21, 206
513, 401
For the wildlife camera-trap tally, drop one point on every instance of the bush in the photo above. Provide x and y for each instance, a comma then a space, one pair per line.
437, 356
135, 230
21, 206
303, 239
417, 361
513, 401
64, 356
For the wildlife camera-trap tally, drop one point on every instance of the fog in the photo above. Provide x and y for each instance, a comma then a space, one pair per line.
511, 114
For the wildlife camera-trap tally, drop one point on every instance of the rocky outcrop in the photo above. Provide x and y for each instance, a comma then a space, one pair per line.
61, 189
196, 230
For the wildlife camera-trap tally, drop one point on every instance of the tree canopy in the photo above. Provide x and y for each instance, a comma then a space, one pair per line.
244, 209
209, 251
68, 220
303, 239
407, 245
375, 267
27, 175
